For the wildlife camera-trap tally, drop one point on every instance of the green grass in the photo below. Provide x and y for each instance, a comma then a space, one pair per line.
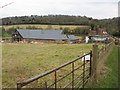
111, 78
23, 61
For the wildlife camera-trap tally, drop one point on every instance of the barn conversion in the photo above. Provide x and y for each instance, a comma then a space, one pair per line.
42, 36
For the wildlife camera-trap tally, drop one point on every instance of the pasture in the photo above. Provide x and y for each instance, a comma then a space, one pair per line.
23, 61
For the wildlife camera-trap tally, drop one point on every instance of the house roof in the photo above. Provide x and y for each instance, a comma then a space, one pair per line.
44, 34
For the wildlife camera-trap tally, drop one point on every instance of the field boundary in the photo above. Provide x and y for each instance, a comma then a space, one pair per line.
99, 58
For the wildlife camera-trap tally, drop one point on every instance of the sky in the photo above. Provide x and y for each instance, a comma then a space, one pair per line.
98, 9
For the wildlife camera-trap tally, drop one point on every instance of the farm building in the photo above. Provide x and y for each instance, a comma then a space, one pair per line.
42, 36
99, 35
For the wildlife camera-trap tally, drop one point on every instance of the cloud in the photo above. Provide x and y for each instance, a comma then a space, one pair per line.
92, 8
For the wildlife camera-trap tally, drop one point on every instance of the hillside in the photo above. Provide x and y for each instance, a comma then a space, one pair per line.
50, 19
110, 25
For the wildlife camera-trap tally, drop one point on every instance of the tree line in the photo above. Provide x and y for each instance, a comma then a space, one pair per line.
49, 19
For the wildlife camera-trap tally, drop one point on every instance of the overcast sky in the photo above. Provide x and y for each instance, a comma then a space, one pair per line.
92, 8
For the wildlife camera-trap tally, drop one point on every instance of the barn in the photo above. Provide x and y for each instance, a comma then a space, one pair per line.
42, 36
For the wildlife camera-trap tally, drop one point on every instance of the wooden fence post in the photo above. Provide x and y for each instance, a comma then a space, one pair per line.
18, 86
94, 63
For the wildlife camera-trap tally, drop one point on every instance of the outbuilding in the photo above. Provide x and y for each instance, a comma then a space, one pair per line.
42, 36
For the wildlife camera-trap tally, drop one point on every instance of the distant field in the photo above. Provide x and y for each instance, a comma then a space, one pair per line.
56, 27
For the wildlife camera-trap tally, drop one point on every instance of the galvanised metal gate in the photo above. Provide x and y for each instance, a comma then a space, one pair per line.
83, 77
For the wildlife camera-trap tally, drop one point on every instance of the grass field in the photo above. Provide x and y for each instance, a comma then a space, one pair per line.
22, 61
111, 78
44, 27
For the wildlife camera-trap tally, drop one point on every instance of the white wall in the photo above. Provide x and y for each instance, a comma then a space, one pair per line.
86, 39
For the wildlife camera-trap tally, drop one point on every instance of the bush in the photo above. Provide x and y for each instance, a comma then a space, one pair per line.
5, 34
116, 34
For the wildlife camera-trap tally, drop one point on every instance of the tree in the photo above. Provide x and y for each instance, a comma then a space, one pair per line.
66, 30
92, 26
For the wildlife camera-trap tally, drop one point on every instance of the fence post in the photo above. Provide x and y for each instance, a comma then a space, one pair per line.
46, 85
72, 75
90, 62
18, 86
94, 63
83, 71
55, 80
93, 66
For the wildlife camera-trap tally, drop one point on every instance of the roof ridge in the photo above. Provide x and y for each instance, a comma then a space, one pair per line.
37, 29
